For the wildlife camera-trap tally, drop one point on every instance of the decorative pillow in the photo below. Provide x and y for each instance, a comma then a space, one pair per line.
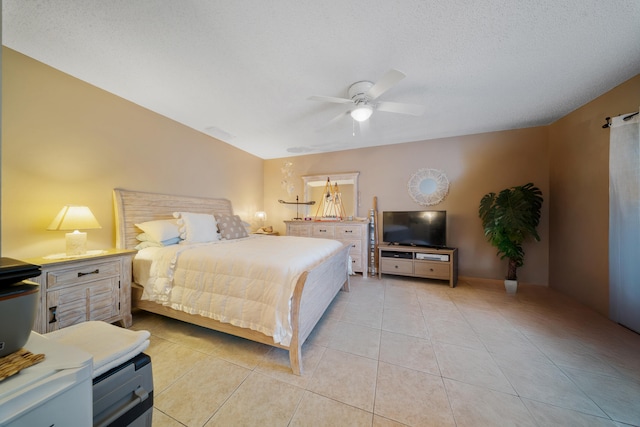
197, 227
231, 227
143, 237
170, 242
160, 230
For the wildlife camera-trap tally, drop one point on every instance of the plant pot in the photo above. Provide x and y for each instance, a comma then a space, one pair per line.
511, 286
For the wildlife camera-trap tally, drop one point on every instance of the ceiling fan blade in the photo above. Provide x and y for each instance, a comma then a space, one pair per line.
386, 82
332, 121
397, 107
330, 99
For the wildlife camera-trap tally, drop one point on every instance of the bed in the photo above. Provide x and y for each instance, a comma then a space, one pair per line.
307, 292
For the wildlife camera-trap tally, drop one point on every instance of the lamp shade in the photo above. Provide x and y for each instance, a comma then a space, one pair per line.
362, 112
261, 216
74, 218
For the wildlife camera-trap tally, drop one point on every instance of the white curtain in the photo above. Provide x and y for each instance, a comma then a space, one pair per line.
624, 222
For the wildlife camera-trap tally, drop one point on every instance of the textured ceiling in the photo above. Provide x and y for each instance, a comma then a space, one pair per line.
242, 70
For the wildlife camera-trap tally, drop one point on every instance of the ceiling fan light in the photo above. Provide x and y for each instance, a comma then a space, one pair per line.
361, 112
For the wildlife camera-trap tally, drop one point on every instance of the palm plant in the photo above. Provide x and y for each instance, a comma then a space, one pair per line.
509, 218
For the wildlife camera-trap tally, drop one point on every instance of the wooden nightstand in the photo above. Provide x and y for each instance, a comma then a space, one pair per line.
91, 287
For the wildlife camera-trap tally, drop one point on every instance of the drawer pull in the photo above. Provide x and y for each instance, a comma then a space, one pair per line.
348, 231
96, 271
323, 231
52, 314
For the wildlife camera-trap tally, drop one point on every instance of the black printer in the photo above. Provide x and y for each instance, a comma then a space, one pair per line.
18, 303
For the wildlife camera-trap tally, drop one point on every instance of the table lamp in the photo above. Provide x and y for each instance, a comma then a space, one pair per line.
261, 216
75, 218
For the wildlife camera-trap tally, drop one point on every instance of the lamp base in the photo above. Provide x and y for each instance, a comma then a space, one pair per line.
76, 243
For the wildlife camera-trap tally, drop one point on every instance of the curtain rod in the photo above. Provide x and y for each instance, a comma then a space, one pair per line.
625, 118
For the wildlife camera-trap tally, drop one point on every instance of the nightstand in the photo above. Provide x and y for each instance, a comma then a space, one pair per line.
90, 287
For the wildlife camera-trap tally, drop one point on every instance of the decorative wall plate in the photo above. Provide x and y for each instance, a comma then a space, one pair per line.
428, 187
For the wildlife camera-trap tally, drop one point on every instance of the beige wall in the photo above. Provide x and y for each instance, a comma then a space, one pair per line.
474, 164
67, 142
579, 209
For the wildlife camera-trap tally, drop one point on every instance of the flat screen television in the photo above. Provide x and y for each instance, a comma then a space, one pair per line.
415, 228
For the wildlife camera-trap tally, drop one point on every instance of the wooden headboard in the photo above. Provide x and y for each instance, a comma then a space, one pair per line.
135, 207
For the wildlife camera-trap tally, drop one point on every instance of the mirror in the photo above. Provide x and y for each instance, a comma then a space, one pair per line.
314, 186
428, 186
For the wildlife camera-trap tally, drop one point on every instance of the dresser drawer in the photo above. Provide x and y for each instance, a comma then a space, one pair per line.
355, 246
396, 266
434, 270
356, 263
348, 231
326, 231
83, 274
301, 230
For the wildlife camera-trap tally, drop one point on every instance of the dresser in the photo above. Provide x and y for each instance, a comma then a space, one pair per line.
91, 287
355, 233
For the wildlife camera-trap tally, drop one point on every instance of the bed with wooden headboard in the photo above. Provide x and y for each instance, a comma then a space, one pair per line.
313, 290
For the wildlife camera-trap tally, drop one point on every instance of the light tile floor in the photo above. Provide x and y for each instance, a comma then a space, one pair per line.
402, 351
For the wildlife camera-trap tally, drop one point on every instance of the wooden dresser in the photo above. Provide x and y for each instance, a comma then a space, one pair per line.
355, 233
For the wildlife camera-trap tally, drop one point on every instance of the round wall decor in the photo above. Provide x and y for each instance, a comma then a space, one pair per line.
428, 187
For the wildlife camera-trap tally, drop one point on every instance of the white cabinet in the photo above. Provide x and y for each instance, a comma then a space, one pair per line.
355, 233
298, 228
54, 392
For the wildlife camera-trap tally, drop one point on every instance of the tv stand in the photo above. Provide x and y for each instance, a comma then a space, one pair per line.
415, 261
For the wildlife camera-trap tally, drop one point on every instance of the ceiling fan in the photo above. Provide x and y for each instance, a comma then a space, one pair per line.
363, 95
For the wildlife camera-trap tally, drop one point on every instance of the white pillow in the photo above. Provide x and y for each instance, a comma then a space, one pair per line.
196, 227
159, 230
147, 244
144, 237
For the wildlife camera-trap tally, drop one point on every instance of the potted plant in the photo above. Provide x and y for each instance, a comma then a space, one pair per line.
509, 218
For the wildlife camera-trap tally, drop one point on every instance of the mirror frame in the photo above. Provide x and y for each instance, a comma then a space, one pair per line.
437, 195
333, 177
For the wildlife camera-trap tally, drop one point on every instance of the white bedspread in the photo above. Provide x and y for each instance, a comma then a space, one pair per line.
245, 282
